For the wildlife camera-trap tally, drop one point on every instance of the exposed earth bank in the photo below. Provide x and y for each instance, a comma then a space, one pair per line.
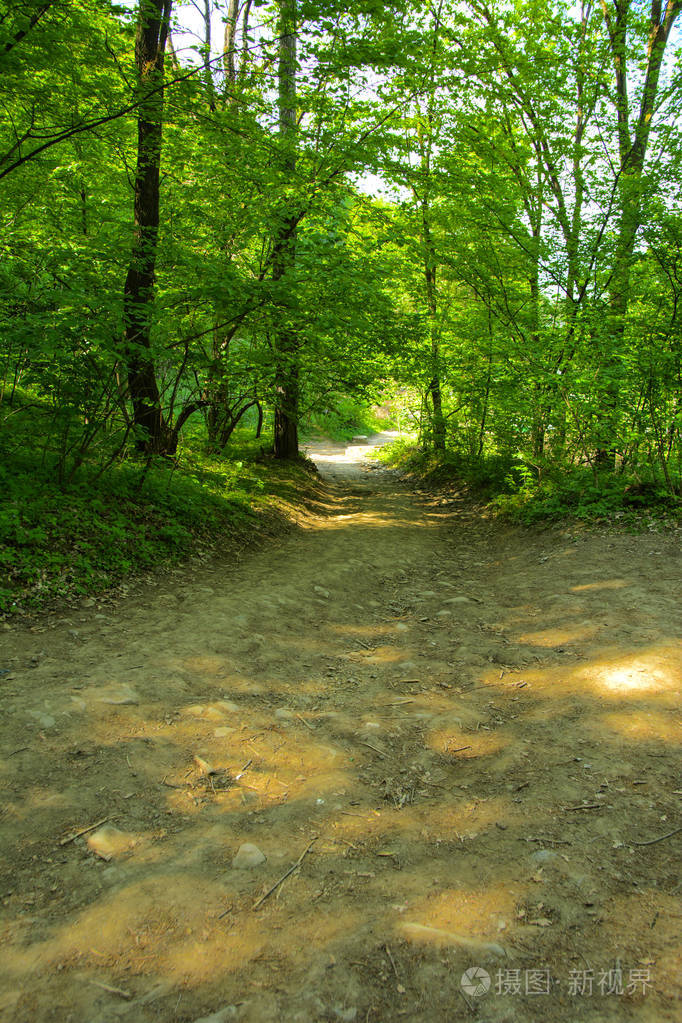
466, 735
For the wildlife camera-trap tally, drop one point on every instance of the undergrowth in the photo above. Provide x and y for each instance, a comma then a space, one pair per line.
524, 495
86, 536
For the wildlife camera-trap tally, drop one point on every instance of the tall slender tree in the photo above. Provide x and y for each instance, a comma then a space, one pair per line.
285, 337
138, 296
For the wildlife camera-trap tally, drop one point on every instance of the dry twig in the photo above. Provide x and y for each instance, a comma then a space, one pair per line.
83, 831
112, 990
661, 838
283, 878
375, 748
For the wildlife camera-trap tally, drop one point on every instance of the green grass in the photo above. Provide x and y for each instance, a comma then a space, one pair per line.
513, 489
98, 530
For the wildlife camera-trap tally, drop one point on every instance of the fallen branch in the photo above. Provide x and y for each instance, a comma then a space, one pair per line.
112, 990
83, 831
375, 748
283, 878
388, 953
662, 838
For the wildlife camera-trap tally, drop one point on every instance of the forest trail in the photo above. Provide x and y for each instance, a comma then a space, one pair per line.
467, 733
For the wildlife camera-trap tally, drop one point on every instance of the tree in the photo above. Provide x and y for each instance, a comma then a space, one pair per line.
284, 338
152, 431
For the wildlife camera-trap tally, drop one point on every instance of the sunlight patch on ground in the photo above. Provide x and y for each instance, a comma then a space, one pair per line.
474, 914
607, 584
205, 665
368, 520
655, 673
377, 655
641, 726
465, 746
560, 637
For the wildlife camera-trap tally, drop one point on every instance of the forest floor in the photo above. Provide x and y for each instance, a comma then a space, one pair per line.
466, 734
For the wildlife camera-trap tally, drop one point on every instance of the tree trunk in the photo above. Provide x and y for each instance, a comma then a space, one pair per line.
633, 141
138, 295
229, 43
286, 346
432, 306
430, 260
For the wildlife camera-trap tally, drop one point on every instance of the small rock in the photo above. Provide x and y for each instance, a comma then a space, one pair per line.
196, 710
360, 438
221, 1016
458, 600
121, 696
221, 732
43, 720
204, 766
283, 714
322, 592
543, 856
215, 713
248, 856
345, 1015
108, 842
228, 706
444, 614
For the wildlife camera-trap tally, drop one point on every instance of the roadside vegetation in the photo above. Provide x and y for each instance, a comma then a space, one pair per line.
526, 494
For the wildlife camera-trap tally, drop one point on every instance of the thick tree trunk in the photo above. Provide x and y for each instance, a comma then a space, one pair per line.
138, 296
286, 345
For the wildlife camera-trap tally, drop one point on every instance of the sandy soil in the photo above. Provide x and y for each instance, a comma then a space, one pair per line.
466, 734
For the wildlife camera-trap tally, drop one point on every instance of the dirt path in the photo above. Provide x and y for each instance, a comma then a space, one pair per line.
476, 727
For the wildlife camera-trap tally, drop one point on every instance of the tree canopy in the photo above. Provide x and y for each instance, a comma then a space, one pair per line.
477, 204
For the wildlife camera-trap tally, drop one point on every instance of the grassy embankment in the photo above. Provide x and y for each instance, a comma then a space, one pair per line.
527, 494
88, 534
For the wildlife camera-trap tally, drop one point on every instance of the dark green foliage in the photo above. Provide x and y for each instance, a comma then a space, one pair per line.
85, 536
